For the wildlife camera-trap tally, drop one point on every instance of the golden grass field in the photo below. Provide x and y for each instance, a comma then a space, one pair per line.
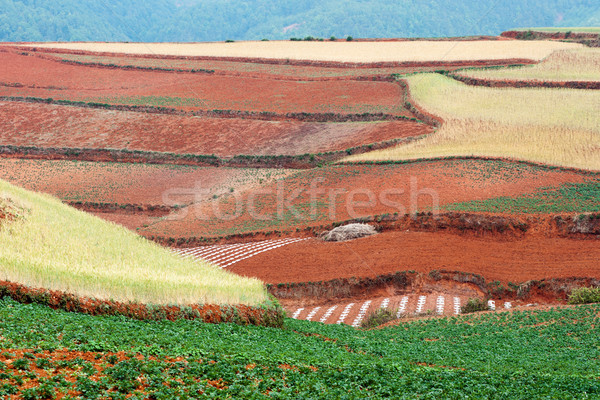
554, 126
359, 52
57, 247
563, 65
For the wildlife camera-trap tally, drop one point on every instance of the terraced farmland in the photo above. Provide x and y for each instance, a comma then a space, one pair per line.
321, 196
242, 160
522, 123
29, 76
56, 126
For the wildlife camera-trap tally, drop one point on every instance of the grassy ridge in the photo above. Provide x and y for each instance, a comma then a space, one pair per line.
56, 247
554, 126
518, 355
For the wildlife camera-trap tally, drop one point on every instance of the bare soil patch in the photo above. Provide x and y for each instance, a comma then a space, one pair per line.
46, 125
29, 76
533, 257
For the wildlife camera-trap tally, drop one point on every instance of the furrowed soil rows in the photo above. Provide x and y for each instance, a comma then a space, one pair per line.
343, 192
46, 125
519, 260
29, 76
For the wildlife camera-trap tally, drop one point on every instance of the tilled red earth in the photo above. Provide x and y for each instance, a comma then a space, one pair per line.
44, 125
23, 76
515, 260
342, 192
145, 184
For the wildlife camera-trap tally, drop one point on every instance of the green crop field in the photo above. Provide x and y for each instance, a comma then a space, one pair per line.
568, 198
551, 354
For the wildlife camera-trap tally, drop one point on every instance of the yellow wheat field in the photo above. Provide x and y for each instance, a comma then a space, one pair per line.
360, 52
57, 247
564, 65
554, 126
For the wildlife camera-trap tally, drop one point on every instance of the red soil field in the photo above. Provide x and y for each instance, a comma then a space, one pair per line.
517, 261
44, 125
144, 184
23, 76
344, 192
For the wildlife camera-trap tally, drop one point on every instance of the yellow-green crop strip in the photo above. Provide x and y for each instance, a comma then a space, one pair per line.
56, 247
553, 126
564, 65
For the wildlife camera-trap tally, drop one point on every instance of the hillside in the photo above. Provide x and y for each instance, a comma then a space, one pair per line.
46, 244
210, 20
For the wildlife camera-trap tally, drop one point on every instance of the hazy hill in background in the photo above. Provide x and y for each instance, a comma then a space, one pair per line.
212, 20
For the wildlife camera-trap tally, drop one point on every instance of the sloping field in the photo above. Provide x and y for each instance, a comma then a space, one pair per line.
553, 126
56, 247
29, 76
46, 125
338, 193
359, 52
565, 65
517, 261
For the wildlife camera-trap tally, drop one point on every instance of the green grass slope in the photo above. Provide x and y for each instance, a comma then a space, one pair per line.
50, 245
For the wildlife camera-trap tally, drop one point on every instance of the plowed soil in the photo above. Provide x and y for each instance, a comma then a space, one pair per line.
144, 184
44, 125
339, 193
22, 76
517, 261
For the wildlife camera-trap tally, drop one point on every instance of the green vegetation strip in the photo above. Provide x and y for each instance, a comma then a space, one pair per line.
572, 197
517, 355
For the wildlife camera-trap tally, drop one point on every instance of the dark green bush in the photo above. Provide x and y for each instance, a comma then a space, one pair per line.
584, 295
474, 305
378, 318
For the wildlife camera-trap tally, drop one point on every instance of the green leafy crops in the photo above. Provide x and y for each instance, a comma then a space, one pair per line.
572, 197
519, 355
